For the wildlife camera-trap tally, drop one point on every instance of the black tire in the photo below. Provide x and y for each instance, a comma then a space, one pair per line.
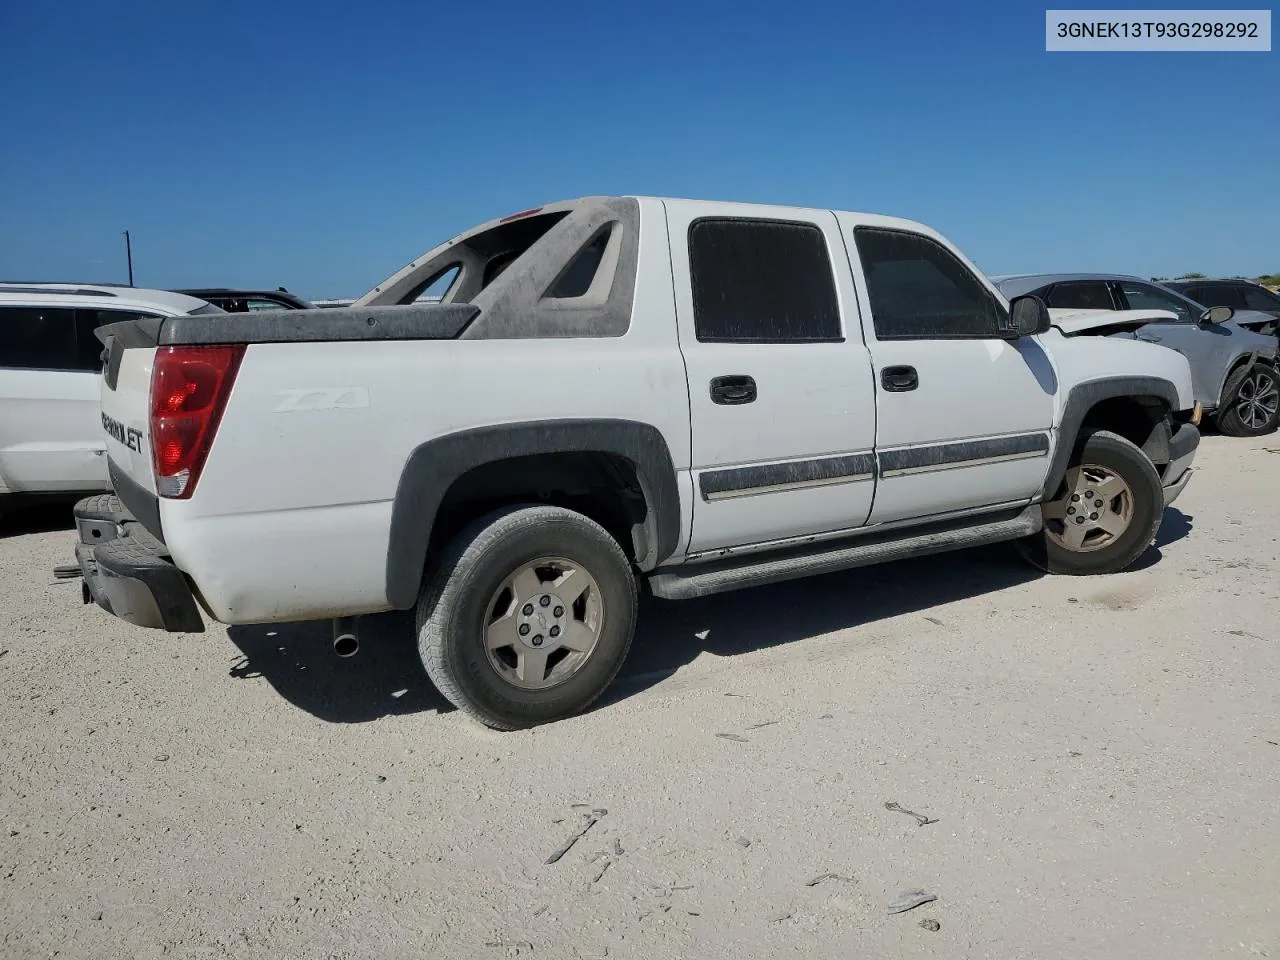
1116, 454
1258, 377
457, 594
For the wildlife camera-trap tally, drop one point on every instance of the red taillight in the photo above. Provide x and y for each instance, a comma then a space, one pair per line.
189, 388
521, 215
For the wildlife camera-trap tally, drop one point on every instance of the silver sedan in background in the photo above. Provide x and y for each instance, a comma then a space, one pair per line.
1233, 366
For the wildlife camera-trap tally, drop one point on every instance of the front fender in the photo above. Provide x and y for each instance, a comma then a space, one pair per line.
1082, 398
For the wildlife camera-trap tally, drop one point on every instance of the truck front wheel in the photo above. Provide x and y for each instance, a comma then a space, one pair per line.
1104, 515
527, 616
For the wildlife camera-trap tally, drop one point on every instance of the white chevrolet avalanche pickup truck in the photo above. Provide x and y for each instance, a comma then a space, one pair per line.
698, 396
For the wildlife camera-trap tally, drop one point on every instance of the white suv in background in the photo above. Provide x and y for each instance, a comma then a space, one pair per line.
51, 436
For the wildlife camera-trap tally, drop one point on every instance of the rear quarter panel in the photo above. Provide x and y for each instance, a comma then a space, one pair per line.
291, 516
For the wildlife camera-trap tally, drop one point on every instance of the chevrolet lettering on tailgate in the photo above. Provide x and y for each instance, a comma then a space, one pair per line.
130, 437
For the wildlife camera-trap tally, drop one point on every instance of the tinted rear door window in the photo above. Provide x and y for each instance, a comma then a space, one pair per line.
88, 346
38, 338
1255, 298
762, 281
1222, 295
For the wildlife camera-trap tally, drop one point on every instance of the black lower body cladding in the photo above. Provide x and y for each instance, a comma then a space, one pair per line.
1184, 440
434, 466
128, 572
739, 481
1084, 398
963, 452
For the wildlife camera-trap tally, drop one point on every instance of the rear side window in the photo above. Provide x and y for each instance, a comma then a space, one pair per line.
1256, 298
437, 287
1221, 295
55, 338
576, 279
38, 338
762, 281
1082, 295
919, 290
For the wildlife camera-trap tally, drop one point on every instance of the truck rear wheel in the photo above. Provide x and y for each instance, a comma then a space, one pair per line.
1105, 513
527, 616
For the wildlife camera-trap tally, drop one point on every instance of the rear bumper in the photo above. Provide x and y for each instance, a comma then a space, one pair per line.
128, 572
1182, 452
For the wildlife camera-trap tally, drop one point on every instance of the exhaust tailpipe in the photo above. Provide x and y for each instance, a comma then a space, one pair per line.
346, 636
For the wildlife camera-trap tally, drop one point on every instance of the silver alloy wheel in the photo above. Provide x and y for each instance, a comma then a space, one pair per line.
1094, 511
543, 623
1257, 401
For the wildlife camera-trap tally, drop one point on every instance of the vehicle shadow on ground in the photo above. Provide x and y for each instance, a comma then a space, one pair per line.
39, 518
671, 634
1173, 528
386, 677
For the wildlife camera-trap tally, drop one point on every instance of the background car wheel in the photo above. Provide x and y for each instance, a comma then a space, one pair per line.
1250, 402
527, 616
1104, 515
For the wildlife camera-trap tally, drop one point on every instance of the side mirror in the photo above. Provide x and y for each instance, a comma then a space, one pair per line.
1216, 315
1027, 316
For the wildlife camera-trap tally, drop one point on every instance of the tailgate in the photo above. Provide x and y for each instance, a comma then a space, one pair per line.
124, 395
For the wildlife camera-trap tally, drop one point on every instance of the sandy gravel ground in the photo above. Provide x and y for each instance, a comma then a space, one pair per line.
1101, 758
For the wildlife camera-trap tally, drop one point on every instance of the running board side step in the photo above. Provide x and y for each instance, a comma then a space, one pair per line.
703, 579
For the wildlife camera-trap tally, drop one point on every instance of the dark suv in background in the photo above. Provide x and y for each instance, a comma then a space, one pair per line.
248, 301
1240, 294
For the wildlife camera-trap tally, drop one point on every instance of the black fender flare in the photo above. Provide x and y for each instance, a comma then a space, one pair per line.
1084, 397
433, 467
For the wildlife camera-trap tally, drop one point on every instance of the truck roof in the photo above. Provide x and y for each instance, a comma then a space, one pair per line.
774, 210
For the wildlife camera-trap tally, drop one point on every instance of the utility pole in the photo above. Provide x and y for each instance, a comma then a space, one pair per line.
128, 252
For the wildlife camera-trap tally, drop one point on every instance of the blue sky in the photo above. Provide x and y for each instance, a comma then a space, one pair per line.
320, 146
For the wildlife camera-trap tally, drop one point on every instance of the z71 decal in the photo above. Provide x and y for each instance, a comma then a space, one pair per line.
130, 437
322, 398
